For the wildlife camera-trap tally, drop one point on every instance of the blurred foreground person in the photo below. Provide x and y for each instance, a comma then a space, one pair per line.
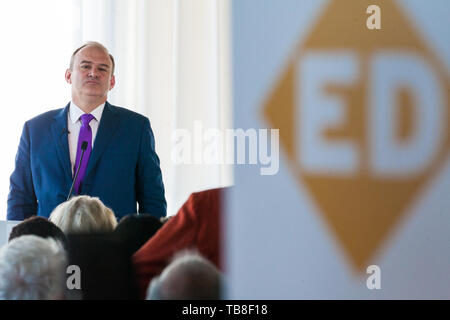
83, 214
105, 264
32, 268
188, 277
40, 227
195, 226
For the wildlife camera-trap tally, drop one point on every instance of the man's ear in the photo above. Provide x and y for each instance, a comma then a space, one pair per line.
68, 76
112, 82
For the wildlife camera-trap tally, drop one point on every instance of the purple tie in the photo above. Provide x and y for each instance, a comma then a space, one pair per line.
85, 135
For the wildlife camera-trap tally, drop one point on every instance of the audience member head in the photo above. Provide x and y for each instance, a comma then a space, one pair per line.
38, 226
188, 277
105, 265
32, 268
137, 229
83, 214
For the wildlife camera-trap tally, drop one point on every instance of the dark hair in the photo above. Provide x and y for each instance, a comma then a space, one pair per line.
136, 229
40, 227
105, 264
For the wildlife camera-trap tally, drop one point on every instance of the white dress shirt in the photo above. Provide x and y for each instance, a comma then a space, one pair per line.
74, 125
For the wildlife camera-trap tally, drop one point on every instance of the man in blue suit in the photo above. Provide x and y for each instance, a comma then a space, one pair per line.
106, 151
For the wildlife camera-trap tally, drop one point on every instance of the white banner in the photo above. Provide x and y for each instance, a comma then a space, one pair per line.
360, 93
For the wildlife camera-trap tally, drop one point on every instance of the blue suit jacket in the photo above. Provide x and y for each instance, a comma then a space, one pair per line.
123, 168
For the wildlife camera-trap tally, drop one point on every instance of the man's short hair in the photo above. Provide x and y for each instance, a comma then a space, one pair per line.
40, 227
188, 277
83, 214
92, 44
32, 268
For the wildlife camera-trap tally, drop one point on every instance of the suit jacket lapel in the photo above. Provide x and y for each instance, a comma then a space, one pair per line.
108, 125
59, 132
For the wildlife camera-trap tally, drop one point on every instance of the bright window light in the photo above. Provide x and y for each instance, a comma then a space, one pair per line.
37, 41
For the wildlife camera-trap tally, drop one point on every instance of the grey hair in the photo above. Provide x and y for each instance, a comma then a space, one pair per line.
32, 268
92, 44
153, 291
189, 276
83, 214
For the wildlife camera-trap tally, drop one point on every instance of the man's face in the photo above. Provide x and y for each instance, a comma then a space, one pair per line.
90, 76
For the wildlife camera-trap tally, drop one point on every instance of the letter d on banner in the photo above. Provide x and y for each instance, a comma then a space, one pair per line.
390, 74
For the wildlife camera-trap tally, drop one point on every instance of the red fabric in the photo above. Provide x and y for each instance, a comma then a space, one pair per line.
195, 226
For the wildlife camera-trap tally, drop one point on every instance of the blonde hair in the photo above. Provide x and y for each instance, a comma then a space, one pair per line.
83, 214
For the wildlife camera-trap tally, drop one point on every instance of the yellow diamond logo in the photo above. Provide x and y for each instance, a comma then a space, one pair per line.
364, 120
